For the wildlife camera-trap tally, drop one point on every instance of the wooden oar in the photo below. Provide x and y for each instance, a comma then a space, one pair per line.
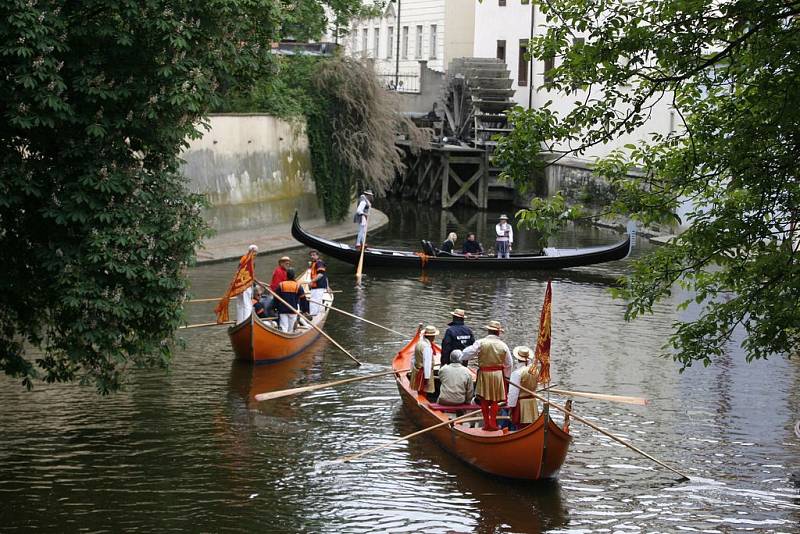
359, 318
200, 325
601, 396
350, 458
311, 323
602, 431
294, 391
361, 257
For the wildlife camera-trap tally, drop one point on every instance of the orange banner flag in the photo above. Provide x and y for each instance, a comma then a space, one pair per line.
543, 341
243, 279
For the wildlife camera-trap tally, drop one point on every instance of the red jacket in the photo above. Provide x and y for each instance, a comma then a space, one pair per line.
278, 275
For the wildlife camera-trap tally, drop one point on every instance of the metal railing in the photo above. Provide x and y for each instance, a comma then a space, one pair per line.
407, 82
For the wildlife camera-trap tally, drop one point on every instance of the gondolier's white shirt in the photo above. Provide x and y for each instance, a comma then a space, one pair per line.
500, 230
360, 211
513, 391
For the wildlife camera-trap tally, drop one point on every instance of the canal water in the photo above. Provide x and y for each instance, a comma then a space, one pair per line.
190, 450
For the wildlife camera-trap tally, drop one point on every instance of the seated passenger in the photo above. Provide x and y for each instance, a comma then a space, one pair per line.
262, 303
449, 243
456, 382
471, 246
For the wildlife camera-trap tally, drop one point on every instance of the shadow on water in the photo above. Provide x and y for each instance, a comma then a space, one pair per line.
505, 505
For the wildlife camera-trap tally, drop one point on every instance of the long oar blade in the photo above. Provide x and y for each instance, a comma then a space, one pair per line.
304, 389
639, 401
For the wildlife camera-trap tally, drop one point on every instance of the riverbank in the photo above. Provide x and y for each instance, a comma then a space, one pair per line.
278, 237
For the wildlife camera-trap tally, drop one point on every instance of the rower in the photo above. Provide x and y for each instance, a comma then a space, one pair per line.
471, 247
361, 216
422, 372
494, 362
291, 292
457, 336
524, 409
319, 282
280, 272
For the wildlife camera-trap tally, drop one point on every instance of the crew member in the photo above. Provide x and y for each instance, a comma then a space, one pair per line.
505, 237
449, 243
291, 292
361, 216
280, 272
524, 409
471, 247
318, 284
494, 363
457, 336
455, 382
422, 369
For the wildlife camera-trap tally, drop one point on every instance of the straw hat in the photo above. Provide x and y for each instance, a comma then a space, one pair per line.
368, 192
430, 330
458, 312
495, 325
504, 216
284, 258
522, 353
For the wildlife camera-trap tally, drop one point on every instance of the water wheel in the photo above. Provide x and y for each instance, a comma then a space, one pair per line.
477, 92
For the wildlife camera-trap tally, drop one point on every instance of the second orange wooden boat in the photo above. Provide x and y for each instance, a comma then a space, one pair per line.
534, 452
258, 341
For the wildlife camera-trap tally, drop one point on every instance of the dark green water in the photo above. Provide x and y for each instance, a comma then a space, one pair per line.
191, 450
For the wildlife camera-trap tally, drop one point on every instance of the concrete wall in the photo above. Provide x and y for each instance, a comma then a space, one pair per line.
430, 91
249, 158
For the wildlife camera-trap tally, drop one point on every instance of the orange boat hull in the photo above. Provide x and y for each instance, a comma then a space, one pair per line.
258, 342
536, 452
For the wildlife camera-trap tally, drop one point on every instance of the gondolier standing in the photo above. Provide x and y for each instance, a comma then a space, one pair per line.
422, 371
524, 409
361, 216
494, 363
505, 237
318, 284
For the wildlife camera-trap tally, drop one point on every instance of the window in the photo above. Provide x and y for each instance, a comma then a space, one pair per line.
549, 64
390, 42
377, 43
525, 2
501, 3
364, 41
354, 44
418, 49
522, 64
405, 42
433, 41
501, 50
577, 43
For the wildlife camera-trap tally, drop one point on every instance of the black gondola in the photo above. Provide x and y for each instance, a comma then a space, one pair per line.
378, 257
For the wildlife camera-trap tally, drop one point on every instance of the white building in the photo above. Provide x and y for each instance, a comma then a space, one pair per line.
428, 30
502, 30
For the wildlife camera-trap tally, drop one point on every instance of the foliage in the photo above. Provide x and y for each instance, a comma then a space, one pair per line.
351, 121
519, 153
729, 69
547, 217
96, 225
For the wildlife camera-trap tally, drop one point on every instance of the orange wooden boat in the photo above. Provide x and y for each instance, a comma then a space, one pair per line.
259, 341
534, 452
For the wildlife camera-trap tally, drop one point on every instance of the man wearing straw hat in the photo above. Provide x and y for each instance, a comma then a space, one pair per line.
458, 336
524, 409
422, 371
505, 237
494, 363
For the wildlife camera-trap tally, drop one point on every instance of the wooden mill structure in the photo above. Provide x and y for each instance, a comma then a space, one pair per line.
458, 167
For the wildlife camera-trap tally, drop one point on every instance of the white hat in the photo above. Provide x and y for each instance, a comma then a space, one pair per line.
522, 353
430, 330
253, 248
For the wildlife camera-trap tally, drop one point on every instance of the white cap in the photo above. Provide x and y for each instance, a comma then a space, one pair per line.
253, 248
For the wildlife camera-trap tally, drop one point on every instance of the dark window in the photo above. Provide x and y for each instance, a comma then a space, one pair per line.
501, 50
549, 64
501, 3
522, 69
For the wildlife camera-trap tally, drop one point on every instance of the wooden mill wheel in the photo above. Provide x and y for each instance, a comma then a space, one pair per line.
477, 93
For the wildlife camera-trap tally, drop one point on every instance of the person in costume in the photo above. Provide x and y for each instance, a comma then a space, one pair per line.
494, 364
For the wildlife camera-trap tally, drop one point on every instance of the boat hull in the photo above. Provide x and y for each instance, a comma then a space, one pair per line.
535, 452
375, 257
256, 341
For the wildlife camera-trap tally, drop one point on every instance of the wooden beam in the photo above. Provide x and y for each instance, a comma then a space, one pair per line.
465, 187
